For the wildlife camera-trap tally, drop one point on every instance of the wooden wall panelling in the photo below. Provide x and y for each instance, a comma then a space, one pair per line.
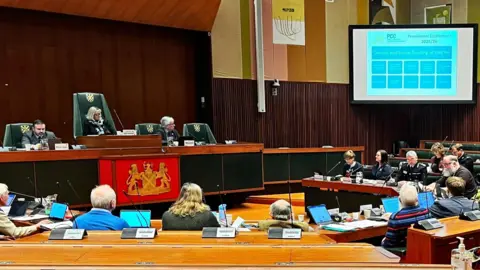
145, 72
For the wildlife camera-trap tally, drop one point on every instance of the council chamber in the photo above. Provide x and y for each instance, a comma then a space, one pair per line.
259, 134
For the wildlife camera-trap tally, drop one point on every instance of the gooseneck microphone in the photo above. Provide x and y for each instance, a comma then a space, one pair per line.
290, 201
329, 171
221, 204
134, 206
118, 118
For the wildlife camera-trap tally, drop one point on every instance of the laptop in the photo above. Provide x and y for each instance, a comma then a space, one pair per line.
426, 199
58, 212
135, 220
320, 215
18, 208
391, 205
11, 197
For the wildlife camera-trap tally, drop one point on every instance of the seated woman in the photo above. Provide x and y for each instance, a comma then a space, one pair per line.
381, 170
351, 167
439, 153
189, 212
95, 125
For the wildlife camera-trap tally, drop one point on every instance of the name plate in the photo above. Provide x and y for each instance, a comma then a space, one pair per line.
129, 132
209, 232
365, 207
189, 143
471, 215
139, 233
67, 234
61, 146
281, 233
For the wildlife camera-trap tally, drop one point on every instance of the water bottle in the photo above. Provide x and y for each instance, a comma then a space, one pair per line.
359, 177
222, 213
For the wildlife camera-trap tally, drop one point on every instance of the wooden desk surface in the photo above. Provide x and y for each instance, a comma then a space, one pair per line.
145, 254
180, 238
284, 150
296, 266
453, 227
339, 185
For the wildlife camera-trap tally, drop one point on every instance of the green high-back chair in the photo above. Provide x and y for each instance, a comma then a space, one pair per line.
200, 131
81, 103
14, 133
147, 128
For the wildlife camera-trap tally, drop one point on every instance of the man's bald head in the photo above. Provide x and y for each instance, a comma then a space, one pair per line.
280, 210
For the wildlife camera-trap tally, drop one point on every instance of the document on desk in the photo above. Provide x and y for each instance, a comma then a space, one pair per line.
29, 218
59, 225
338, 228
363, 224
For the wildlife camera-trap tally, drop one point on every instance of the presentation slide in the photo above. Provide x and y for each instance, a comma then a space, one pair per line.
413, 64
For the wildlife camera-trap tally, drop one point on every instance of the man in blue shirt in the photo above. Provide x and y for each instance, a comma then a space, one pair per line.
100, 218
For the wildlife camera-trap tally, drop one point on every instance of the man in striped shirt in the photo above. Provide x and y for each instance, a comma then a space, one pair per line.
400, 221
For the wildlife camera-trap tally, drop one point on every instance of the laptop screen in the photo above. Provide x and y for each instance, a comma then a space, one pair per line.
391, 205
11, 197
58, 211
425, 199
319, 213
134, 220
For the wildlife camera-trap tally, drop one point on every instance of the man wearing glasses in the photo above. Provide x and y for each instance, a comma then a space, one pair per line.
453, 168
168, 131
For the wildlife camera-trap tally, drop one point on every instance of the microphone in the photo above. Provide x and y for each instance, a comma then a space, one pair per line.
450, 147
338, 203
444, 140
23, 195
138, 194
118, 118
73, 189
290, 201
74, 218
338, 163
134, 206
386, 180
68, 205
221, 203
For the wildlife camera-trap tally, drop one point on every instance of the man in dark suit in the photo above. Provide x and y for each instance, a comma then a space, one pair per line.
451, 167
37, 134
464, 159
168, 131
456, 204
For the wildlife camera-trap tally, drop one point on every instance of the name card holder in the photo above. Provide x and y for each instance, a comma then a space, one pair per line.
471, 215
210, 232
139, 233
67, 234
61, 146
428, 224
189, 143
129, 132
283, 233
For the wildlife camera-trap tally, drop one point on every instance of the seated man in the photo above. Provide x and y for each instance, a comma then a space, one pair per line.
456, 204
451, 167
100, 218
464, 159
7, 227
400, 221
168, 131
281, 212
37, 134
412, 170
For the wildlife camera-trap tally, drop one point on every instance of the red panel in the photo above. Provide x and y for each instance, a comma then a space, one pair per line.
105, 172
157, 179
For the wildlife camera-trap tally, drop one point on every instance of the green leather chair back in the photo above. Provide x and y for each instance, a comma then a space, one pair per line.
81, 103
147, 128
200, 131
14, 133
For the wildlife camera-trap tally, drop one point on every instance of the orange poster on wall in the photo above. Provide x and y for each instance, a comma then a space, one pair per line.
143, 180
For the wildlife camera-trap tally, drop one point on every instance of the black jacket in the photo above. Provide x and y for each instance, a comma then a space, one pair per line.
415, 173
381, 172
452, 207
165, 134
188, 223
466, 161
356, 168
470, 184
94, 128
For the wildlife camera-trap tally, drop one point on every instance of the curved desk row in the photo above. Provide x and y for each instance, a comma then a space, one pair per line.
155, 174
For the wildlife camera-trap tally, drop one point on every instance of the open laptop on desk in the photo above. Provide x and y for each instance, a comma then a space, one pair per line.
52, 142
137, 219
320, 215
391, 205
17, 208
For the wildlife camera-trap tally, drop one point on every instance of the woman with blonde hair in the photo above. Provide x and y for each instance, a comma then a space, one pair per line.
439, 152
351, 166
189, 212
94, 123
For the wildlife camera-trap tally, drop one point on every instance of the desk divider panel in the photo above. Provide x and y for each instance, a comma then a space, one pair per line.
303, 165
276, 167
204, 170
17, 177
82, 174
242, 171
